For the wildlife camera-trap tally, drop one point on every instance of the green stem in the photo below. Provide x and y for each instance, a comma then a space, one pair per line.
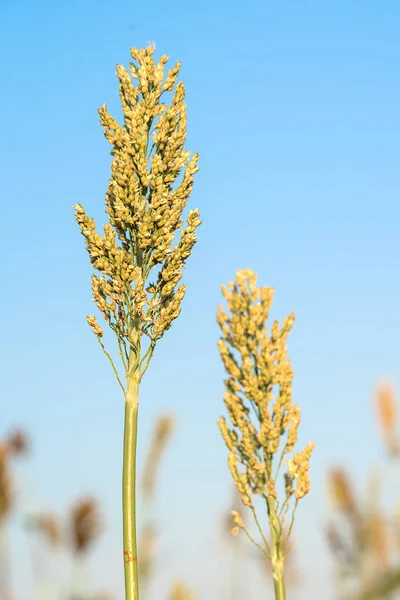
276, 554
129, 489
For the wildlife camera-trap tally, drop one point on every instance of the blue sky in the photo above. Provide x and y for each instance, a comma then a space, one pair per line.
293, 107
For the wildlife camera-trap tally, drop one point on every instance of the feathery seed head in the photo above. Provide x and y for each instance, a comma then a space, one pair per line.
151, 180
258, 394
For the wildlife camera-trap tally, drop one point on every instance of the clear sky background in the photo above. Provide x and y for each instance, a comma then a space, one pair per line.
294, 109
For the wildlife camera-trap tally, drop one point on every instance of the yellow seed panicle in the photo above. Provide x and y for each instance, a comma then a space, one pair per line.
264, 421
97, 330
257, 366
151, 180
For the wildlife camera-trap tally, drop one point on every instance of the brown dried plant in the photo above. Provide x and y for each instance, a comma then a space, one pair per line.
85, 524
77, 535
46, 528
258, 398
48, 525
11, 446
387, 417
6, 503
181, 592
18, 442
362, 536
162, 433
141, 264
6, 495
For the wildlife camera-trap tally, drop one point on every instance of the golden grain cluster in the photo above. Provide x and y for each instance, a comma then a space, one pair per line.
258, 393
145, 210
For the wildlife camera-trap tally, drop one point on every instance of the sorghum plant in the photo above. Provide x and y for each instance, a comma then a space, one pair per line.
145, 201
258, 398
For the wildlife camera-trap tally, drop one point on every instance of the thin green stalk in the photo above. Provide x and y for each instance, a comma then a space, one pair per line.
276, 555
291, 522
254, 541
268, 549
129, 490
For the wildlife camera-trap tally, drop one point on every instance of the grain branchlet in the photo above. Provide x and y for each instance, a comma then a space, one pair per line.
264, 421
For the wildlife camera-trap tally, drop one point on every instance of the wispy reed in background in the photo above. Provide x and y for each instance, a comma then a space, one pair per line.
162, 434
14, 445
85, 526
45, 538
181, 592
361, 532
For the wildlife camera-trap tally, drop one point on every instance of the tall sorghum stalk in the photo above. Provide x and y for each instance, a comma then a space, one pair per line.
145, 203
258, 398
